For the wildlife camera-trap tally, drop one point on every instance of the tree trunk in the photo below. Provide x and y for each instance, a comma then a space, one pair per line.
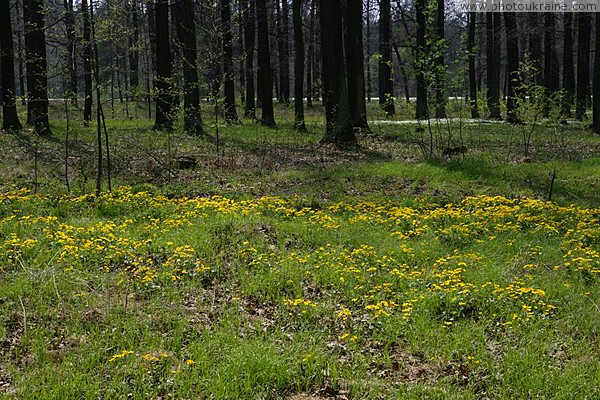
386, 83
228, 78
403, 73
339, 129
186, 31
164, 78
568, 70
368, 45
355, 68
37, 79
71, 51
87, 62
311, 56
583, 63
472, 73
265, 80
284, 53
249, 13
535, 50
440, 67
298, 66
493, 36
596, 87
551, 66
133, 53
422, 106
512, 67
10, 119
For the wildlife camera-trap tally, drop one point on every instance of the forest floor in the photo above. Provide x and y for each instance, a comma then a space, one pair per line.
427, 263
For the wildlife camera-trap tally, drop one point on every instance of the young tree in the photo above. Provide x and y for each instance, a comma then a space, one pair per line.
472, 51
493, 35
353, 38
37, 79
186, 32
228, 78
10, 118
568, 77
87, 62
339, 127
265, 80
386, 83
512, 70
583, 63
298, 66
440, 69
249, 16
421, 53
164, 100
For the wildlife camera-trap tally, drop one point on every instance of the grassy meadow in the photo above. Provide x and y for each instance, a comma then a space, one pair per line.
274, 267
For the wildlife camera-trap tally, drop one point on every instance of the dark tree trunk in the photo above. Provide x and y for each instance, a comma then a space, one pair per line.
311, 56
472, 73
568, 69
386, 83
10, 119
298, 66
87, 62
551, 65
403, 73
71, 51
535, 49
133, 53
186, 31
164, 100
596, 85
37, 79
493, 36
249, 14
422, 106
440, 69
265, 80
284, 53
584, 22
353, 36
339, 129
512, 67
368, 45
20, 53
228, 78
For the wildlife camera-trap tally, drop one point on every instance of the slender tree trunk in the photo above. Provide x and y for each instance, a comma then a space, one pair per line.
249, 13
241, 52
20, 52
133, 53
596, 86
535, 49
298, 66
164, 100
311, 56
440, 68
353, 37
10, 119
422, 106
386, 83
71, 51
228, 78
87, 62
284, 53
472, 73
265, 80
493, 36
339, 128
583, 63
368, 45
568, 70
186, 31
512, 69
403, 73
37, 79
551, 65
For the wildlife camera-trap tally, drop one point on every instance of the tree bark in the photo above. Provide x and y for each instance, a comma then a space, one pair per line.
71, 51
493, 36
353, 38
186, 32
422, 106
596, 86
249, 14
386, 83
284, 53
87, 62
512, 69
440, 67
568, 70
133, 53
535, 50
583, 63
265, 80
37, 79
164, 100
339, 129
228, 78
298, 66
472, 73
551, 65
311, 55
10, 118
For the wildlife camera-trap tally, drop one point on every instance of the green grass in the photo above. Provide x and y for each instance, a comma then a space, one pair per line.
367, 273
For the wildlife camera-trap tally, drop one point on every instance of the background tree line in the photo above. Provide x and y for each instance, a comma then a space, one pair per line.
157, 57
